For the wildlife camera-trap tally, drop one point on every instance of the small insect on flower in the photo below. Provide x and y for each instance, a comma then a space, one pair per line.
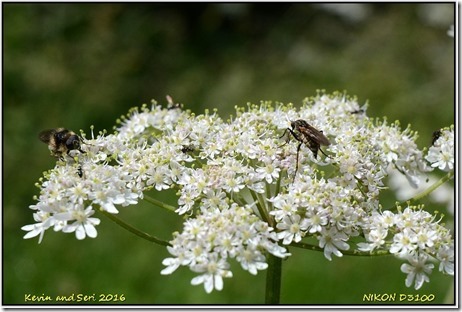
60, 141
358, 111
306, 134
80, 171
187, 149
172, 104
435, 136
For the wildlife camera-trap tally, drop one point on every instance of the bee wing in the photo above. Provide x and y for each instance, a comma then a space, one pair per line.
315, 134
46, 135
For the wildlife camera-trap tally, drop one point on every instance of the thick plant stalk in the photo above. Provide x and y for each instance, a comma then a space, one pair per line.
273, 280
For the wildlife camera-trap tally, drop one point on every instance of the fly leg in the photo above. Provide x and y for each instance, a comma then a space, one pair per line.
296, 164
287, 140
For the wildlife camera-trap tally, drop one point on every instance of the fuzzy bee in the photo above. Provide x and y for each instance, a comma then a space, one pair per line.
306, 134
60, 141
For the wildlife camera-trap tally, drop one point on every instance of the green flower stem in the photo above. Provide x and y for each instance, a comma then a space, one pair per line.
360, 186
134, 230
261, 206
273, 280
269, 195
237, 198
158, 203
433, 187
345, 252
278, 184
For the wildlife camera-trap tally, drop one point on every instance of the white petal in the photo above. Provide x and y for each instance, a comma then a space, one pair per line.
208, 284
90, 230
410, 279
218, 282
109, 207
170, 269
197, 280
80, 232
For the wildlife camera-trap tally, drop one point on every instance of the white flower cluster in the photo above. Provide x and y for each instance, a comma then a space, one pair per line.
209, 240
413, 235
238, 188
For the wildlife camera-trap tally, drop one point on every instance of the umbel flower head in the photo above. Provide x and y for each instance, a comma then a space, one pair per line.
239, 191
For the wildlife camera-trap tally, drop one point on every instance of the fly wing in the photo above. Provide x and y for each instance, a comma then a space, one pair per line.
314, 134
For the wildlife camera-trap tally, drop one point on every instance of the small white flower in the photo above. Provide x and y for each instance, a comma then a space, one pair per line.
417, 270
233, 183
214, 270
292, 229
183, 257
285, 207
404, 243
214, 200
333, 241
387, 219
446, 256
83, 224
426, 238
269, 172
34, 230
160, 178
185, 202
316, 219
251, 260
376, 239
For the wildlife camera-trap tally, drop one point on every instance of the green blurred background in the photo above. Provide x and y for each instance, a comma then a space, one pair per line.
77, 65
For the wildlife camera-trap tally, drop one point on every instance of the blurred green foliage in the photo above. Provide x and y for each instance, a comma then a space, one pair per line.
77, 65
